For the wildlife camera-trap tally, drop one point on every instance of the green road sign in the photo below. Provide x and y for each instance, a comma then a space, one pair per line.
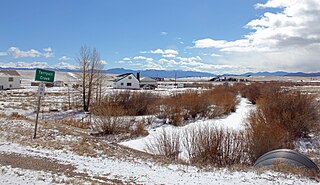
44, 75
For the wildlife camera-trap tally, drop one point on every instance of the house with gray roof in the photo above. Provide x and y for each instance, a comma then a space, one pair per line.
9, 79
126, 81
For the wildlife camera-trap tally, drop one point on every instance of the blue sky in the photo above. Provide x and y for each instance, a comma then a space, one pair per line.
202, 35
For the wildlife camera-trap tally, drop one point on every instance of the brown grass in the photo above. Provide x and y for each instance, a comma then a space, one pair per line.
296, 170
16, 115
75, 123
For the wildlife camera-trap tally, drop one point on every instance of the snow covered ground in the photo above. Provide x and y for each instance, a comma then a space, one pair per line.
136, 171
233, 121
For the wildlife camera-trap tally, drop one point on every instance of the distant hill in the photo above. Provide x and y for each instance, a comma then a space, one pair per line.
278, 73
304, 74
160, 73
281, 73
178, 73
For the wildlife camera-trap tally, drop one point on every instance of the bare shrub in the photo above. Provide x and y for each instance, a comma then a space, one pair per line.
193, 104
252, 92
298, 113
178, 108
281, 117
221, 100
132, 104
256, 90
264, 137
109, 121
203, 145
215, 146
139, 130
171, 110
166, 144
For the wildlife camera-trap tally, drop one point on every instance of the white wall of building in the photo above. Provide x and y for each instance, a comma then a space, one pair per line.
129, 82
9, 82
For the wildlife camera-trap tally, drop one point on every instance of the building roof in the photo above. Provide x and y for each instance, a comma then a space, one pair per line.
122, 76
148, 79
9, 73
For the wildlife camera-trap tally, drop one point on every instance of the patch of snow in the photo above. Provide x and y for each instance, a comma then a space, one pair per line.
234, 121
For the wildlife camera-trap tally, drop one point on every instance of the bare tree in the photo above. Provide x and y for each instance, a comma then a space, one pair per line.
91, 67
99, 87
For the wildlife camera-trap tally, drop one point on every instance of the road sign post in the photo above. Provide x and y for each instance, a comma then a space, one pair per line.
43, 76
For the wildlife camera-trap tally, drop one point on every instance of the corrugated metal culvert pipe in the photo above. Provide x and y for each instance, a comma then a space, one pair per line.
286, 156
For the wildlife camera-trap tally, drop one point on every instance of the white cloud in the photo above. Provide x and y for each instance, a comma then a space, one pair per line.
209, 43
169, 56
168, 53
194, 63
35, 64
139, 58
169, 62
152, 65
64, 58
143, 58
65, 65
163, 33
157, 51
17, 53
126, 59
285, 40
215, 55
103, 62
149, 59
185, 59
3, 54
47, 49
48, 52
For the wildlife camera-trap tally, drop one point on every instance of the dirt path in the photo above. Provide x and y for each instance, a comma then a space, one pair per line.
35, 163
51, 166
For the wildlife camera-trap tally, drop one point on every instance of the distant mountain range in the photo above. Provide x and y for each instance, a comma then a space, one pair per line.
281, 73
180, 73
160, 73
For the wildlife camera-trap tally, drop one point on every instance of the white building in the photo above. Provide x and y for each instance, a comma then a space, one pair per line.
148, 82
9, 79
58, 83
126, 81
